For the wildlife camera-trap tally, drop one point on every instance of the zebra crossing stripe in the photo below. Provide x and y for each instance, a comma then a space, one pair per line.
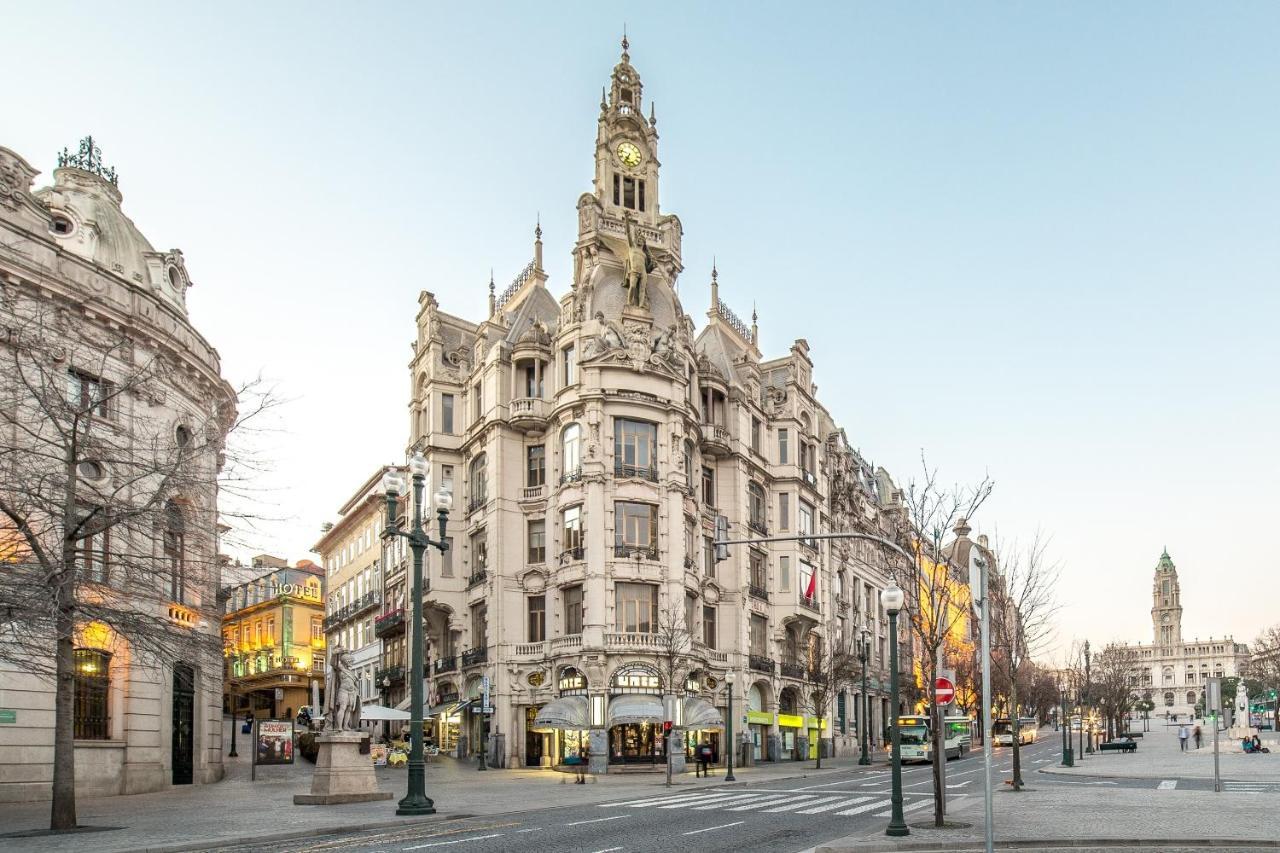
650, 800
737, 801
839, 803
794, 806
773, 801
868, 807
679, 804
1167, 785
919, 804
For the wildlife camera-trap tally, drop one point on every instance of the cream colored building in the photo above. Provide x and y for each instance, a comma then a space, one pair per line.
143, 719
1172, 670
591, 439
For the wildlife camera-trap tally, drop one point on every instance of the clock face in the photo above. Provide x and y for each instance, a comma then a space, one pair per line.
629, 154
1164, 618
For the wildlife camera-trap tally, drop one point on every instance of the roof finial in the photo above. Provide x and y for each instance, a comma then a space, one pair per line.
493, 299
653, 120
604, 104
715, 289
537, 244
714, 273
755, 330
625, 44
537, 228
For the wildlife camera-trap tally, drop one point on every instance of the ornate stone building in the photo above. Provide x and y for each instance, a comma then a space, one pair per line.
591, 440
1171, 669
95, 321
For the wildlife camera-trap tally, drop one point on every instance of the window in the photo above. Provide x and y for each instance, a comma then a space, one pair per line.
536, 469
572, 596
446, 413
688, 466
759, 580
759, 635
784, 511
446, 558
755, 433
478, 480
808, 582
784, 574
317, 631
88, 394
92, 719
1168, 699
534, 381
755, 507
571, 450
784, 438
635, 528
636, 607
94, 552
570, 362
271, 630
628, 192
537, 541
709, 626
633, 448
806, 524
479, 626
1191, 697
537, 618
175, 551
708, 487
708, 557
690, 613
572, 682
572, 529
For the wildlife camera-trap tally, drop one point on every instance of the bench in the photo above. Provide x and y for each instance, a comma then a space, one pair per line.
1118, 746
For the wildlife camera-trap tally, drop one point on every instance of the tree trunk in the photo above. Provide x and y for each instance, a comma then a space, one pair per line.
939, 754
1017, 732
63, 811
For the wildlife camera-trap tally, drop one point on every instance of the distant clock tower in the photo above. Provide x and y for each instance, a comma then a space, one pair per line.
1166, 605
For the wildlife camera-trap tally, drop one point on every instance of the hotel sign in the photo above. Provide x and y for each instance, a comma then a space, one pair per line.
298, 590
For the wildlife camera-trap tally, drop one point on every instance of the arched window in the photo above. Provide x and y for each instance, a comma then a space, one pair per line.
788, 700
175, 551
571, 453
1167, 674
92, 697
572, 682
478, 480
1191, 697
635, 678
1168, 699
755, 508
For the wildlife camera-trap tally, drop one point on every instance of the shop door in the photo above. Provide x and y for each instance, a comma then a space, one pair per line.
183, 737
532, 740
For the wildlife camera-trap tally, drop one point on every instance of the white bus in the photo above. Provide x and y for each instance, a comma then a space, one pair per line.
916, 734
1002, 731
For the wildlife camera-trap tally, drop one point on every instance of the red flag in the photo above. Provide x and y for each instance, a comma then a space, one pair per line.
812, 591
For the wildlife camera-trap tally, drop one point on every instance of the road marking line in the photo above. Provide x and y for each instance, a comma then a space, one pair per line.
1167, 785
961, 784
708, 829
772, 802
533, 829
811, 802
661, 798
608, 850
917, 805
594, 820
736, 802
868, 807
455, 841
838, 804
718, 800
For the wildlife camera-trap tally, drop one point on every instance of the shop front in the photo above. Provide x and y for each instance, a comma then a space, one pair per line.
759, 723
635, 729
561, 725
703, 724
815, 728
790, 729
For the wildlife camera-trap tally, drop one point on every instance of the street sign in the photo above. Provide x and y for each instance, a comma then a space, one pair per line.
945, 689
484, 694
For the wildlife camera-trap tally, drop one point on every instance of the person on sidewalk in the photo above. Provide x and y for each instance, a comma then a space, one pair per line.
1196, 734
1183, 734
703, 766
583, 754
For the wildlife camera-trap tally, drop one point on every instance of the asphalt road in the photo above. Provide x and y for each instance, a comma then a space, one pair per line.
783, 815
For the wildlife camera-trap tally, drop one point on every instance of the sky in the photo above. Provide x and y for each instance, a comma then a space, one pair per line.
1038, 241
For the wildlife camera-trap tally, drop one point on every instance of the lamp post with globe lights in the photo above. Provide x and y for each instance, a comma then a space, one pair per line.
730, 678
416, 801
864, 656
893, 598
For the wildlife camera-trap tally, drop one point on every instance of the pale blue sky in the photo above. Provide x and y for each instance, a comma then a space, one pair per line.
1034, 239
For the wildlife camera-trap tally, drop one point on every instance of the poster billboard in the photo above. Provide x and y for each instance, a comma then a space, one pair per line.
275, 742
378, 752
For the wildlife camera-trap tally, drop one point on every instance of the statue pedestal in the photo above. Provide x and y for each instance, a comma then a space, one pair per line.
1241, 732
342, 774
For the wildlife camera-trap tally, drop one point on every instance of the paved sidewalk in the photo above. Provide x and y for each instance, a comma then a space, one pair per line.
1158, 757
1089, 817
236, 810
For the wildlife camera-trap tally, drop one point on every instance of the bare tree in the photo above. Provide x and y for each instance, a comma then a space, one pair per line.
1264, 665
1112, 682
937, 592
831, 665
1022, 610
673, 637
108, 513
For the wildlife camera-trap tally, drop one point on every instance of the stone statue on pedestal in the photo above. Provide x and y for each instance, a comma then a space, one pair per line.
343, 711
635, 267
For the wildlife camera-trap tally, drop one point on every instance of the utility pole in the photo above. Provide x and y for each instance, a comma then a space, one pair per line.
978, 568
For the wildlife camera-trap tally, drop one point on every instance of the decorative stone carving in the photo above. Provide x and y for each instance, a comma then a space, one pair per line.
636, 266
630, 342
343, 712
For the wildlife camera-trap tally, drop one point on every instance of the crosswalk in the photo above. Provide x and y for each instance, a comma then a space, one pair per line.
1254, 787
777, 802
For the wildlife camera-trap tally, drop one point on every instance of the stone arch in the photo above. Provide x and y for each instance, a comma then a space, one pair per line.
635, 677
789, 700
760, 696
571, 681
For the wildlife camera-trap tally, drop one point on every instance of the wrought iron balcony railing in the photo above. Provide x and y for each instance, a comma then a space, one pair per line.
471, 657
643, 472
759, 592
760, 663
449, 664
648, 552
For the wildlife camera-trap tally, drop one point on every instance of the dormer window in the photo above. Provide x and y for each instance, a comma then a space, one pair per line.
628, 192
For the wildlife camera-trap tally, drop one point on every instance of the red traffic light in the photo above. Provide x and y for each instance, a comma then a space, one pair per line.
666, 727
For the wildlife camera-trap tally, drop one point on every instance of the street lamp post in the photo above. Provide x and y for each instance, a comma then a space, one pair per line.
864, 655
416, 801
892, 598
386, 701
1068, 760
234, 721
729, 678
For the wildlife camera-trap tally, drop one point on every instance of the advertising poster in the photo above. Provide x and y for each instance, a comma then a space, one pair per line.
275, 742
378, 752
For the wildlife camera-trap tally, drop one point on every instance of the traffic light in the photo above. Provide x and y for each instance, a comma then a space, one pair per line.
722, 533
666, 727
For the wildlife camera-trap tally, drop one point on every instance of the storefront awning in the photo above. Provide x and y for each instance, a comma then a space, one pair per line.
701, 714
635, 708
568, 713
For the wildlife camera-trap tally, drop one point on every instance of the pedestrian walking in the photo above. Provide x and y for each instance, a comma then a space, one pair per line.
1196, 734
583, 754
1183, 734
703, 767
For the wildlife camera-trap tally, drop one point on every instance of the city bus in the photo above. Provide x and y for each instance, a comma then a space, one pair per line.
916, 733
960, 728
1002, 731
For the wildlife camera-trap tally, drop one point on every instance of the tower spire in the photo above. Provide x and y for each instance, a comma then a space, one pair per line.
493, 298
537, 242
625, 44
755, 330
715, 287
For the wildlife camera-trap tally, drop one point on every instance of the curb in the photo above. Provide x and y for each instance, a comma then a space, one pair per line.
975, 844
1058, 770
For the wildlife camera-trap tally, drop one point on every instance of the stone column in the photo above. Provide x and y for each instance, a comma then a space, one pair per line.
599, 761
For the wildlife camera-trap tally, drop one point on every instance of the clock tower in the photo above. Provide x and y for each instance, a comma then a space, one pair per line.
1166, 605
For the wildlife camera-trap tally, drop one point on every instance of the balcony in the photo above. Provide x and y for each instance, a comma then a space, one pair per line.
715, 440
810, 478
639, 472
633, 641
391, 622
571, 476
645, 552
471, 657
394, 673
793, 670
572, 555
477, 503
567, 643
760, 663
758, 592
810, 603
449, 664
757, 525
352, 610
477, 578
530, 650
528, 414
533, 493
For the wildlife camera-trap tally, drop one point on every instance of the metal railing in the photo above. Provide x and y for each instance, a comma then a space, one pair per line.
361, 604
758, 592
649, 552
394, 673
757, 524
793, 670
760, 663
810, 603
477, 577
571, 476
449, 664
477, 503
642, 472
471, 657
387, 622
569, 555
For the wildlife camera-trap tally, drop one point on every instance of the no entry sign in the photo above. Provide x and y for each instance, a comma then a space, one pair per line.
946, 690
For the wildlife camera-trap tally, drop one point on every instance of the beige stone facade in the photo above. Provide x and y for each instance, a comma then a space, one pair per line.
590, 441
143, 722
